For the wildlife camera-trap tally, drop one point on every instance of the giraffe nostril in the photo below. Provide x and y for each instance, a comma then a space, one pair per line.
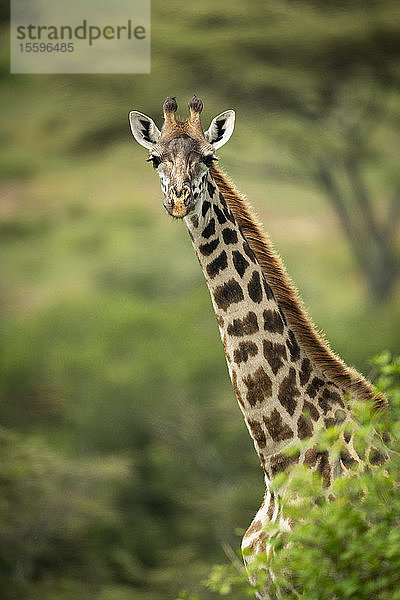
183, 191
180, 194
186, 191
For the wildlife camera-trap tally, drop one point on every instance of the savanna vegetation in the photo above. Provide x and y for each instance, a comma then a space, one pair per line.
126, 471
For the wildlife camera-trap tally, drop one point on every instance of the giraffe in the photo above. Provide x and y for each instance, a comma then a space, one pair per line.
286, 378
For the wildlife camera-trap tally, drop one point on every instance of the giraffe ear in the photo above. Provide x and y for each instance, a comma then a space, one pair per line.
144, 130
221, 129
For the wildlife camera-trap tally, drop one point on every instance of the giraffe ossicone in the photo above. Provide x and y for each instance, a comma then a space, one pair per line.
286, 379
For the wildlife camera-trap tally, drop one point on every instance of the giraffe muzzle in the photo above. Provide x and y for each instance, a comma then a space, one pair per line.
179, 202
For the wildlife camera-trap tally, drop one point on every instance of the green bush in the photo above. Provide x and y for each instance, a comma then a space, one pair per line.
51, 510
349, 546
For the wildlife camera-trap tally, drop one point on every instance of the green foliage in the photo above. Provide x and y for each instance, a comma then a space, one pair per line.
346, 547
51, 509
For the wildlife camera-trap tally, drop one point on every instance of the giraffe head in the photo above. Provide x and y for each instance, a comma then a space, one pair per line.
182, 152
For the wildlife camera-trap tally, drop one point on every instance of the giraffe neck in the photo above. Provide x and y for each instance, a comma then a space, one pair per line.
281, 392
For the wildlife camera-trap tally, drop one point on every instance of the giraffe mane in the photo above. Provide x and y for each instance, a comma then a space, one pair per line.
312, 340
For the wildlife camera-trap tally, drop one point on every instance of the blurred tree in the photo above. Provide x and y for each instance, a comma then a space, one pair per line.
339, 115
323, 78
51, 507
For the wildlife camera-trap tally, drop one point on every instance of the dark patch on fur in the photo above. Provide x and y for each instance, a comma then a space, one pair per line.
239, 262
228, 293
311, 457
209, 230
245, 326
293, 346
304, 427
210, 188
324, 405
271, 507
243, 351
207, 249
229, 235
305, 372
249, 252
205, 208
332, 397
314, 386
309, 408
280, 462
346, 459
220, 215
258, 433
288, 392
324, 467
376, 457
277, 428
254, 287
275, 354
229, 216
270, 295
259, 386
217, 265
273, 321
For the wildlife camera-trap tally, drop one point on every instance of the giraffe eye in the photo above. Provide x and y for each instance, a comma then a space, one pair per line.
155, 160
208, 160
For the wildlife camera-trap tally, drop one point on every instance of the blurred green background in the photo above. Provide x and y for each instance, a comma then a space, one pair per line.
125, 468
